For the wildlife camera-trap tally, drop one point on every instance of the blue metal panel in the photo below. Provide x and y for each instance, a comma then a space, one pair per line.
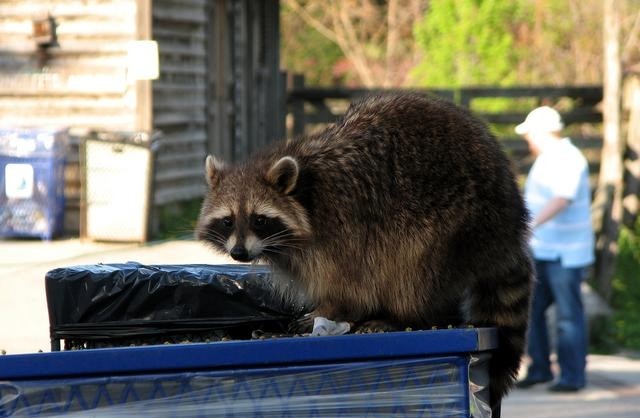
234, 354
411, 374
433, 387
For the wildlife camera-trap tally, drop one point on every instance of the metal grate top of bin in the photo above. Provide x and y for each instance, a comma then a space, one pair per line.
257, 353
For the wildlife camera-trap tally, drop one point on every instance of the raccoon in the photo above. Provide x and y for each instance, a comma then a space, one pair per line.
405, 211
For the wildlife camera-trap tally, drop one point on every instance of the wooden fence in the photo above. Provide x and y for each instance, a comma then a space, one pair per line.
246, 88
312, 107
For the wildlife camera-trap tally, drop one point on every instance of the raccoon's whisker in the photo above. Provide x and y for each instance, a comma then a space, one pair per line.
214, 236
280, 243
280, 234
255, 262
281, 248
283, 244
273, 242
271, 252
283, 236
214, 232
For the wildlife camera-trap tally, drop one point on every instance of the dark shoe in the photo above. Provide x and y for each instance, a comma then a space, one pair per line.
562, 388
527, 383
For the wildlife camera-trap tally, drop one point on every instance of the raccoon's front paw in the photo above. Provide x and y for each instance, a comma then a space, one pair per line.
302, 325
376, 325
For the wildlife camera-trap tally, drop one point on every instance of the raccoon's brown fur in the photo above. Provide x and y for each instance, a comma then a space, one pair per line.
406, 211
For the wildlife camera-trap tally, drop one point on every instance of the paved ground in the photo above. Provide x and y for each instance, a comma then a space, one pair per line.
24, 321
613, 391
614, 381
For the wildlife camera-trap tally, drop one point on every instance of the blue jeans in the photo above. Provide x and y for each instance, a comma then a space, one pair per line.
559, 285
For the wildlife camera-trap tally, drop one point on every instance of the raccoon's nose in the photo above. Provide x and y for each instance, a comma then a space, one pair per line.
239, 253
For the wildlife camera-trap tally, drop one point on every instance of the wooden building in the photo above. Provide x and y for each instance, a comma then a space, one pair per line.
219, 88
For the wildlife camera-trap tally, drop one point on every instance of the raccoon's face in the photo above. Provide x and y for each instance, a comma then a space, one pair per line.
250, 214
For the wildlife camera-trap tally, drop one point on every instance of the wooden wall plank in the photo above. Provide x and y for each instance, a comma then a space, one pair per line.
196, 97
67, 8
180, 98
84, 84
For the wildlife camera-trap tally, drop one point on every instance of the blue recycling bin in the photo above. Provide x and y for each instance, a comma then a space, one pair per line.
32, 180
437, 374
433, 373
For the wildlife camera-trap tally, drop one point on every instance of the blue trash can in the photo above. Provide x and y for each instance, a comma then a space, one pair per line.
436, 374
32, 180
433, 373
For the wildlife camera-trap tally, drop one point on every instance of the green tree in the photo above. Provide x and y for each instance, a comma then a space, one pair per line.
626, 292
468, 42
375, 37
307, 51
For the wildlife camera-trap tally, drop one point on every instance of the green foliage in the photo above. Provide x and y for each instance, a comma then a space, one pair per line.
468, 42
178, 221
305, 51
602, 336
626, 289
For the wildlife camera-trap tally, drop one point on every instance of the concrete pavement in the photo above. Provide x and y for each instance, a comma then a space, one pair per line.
613, 390
24, 320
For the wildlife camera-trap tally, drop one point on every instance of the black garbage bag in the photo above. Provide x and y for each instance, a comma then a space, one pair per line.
102, 305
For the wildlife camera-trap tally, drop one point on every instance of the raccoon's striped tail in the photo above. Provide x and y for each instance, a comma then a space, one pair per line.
504, 302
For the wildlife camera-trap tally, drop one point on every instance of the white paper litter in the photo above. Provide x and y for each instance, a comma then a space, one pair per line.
323, 326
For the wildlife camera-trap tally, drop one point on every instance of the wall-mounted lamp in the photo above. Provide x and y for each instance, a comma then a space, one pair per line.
44, 32
142, 60
45, 36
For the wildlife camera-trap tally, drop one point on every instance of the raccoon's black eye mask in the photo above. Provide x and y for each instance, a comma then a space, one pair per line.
260, 221
227, 222
267, 227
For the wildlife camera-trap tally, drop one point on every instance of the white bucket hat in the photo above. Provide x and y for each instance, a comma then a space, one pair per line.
541, 119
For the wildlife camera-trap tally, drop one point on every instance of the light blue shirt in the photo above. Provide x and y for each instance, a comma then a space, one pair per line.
562, 171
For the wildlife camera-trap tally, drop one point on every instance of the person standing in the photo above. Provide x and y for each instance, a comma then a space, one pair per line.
558, 196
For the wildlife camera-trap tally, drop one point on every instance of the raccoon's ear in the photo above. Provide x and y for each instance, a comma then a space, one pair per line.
283, 174
214, 169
